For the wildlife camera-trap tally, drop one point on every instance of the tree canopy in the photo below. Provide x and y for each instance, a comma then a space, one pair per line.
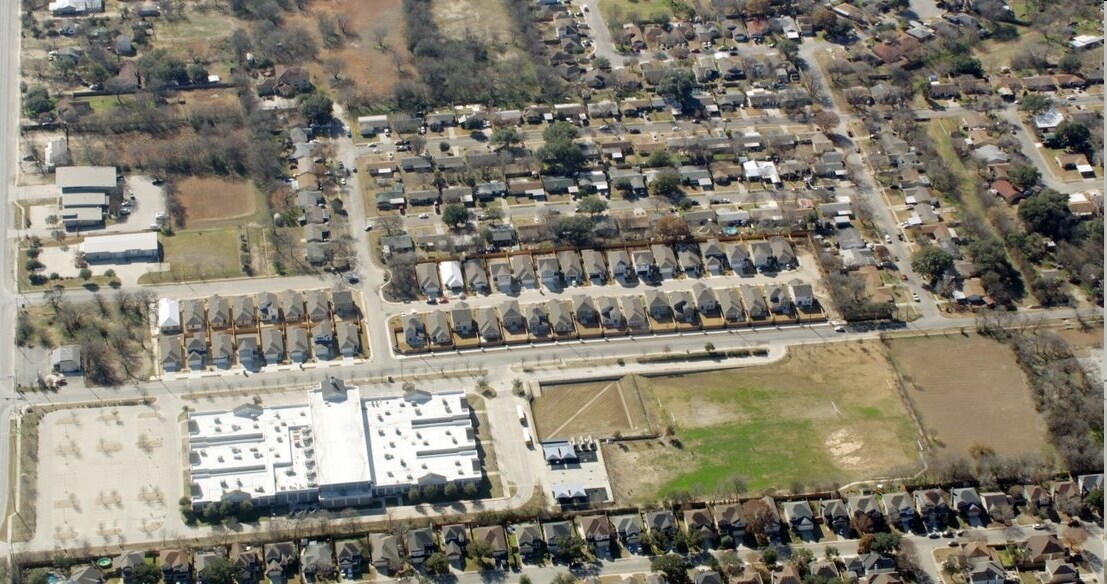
1072, 135
666, 184
1035, 103
592, 205
678, 84
454, 215
317, 108
1048, 213
560, 154
1023, 176
576, 230
931, 262
674, 566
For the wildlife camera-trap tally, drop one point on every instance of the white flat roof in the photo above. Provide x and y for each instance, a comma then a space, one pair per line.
340, 447
124, 242
422, 438
85, 176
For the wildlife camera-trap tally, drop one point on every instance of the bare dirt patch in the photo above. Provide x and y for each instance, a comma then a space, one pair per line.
211, 201
485, 19
969, 390
590, 409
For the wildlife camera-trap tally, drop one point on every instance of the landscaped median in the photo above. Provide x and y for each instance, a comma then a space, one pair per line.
707, 355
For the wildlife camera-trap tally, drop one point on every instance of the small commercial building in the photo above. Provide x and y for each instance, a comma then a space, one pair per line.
126, 247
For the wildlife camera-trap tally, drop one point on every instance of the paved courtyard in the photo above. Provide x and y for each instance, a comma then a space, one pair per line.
108, 476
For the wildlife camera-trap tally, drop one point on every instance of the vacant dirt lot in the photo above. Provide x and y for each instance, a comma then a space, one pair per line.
590, 409
485, 19
367, 63
823, 414
214, 201
969, 390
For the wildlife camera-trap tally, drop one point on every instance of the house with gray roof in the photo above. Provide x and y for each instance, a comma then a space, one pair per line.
292, 306
611, 317
318, 309
523, 270
420, 545
738, 257
322, 340
512, 317
538, 320
665, 260
272, 345
620, 263
317, 561
730, 305
585, 309
171, 355
683, 305
530, 541
196, 351
438, 327
298, 344
548, 270
800, 518
500, 269
634, 314
219, 312
835, 515
476, 278
415, 332
488, 325
560, 317
753, 302
690, 262
463, 322
427, 276
594, 266
571, 270
629, 529
347, 339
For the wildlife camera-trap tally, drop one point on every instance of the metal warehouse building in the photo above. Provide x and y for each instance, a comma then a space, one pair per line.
125, 247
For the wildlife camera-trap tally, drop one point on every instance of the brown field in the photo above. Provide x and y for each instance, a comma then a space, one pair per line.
968, 390
366, 63
823, 414
485, 19
211, 201
590, 409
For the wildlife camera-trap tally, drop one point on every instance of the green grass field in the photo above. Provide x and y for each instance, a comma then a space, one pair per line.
648, 10
823, 414
198, 255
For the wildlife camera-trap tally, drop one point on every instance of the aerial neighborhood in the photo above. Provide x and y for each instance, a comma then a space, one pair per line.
552, 291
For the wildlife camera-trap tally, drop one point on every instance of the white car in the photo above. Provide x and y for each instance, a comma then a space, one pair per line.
424, 215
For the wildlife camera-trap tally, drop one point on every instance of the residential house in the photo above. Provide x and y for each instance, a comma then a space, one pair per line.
385, 553
611, 317
247, 348
783, 254
987, 572
243, 312
967, 502
835, 516
427, 276
789, 574
635, 314
530, 542
714, 258
593, 266
292, 304
246, 561
86, 575
347, 339
193, 315
730, 521
658, 305
269, 308
272, 345
899, 509
754, 302
176, 566
700, 521
597, 531
664, 259
585, 310
451, 277
705, 298
683, 306
420, 545
690, 262
500, 269
1041, 548
560, 317
342, 301
662, 524
438, 327
620, 264
281, 561
415, 334
523, 271
571, 270
455, 539
196, 351
709, 577
317, 561
125, 564
488, 325
761, 254
318, 309
730, 305
219, 312
66, 359
779, 302
476, 278
322, 339
866, 505
1037, 496
932, 507
555, 534
538, 320
1059, 572
462, 317
512, 317
297, 344
800, 518
802, 294
629, 529
1089, 483
548, 270
495, 538
642, 260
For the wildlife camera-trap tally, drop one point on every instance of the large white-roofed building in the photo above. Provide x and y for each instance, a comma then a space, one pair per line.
338, 449
123, 247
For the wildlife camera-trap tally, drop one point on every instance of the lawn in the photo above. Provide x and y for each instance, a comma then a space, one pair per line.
596, 409
994, 55
216, 202
977, 375
487, 20
805, 420
648, 10
198, 255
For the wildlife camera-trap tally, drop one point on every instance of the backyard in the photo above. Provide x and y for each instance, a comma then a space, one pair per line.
647, 10
802, 422
977, 375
